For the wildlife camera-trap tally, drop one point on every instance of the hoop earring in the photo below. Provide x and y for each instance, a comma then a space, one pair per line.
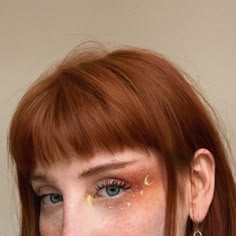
197, 233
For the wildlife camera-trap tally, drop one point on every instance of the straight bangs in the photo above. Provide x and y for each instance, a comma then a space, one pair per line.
76, 111
124, 99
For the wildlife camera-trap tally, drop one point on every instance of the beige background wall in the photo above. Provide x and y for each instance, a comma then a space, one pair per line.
198, 35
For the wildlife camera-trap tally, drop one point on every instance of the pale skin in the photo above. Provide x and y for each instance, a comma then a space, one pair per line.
121, 194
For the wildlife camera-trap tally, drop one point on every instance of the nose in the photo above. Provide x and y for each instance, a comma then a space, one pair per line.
75, 229
73, 225
77, 221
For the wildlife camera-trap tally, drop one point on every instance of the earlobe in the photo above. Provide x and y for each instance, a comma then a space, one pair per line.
202, 180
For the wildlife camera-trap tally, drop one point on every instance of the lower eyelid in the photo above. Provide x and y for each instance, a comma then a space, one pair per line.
114, 201
113, 197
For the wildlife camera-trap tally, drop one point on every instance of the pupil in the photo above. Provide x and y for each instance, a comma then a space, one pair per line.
112, 190
54, 198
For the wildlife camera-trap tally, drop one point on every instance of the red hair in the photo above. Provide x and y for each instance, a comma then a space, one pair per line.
106, 101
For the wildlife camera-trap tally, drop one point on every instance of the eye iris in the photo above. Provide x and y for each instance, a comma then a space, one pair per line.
112, 190
54, 198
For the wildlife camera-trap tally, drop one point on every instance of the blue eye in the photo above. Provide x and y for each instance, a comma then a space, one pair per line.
111, 188
51, 198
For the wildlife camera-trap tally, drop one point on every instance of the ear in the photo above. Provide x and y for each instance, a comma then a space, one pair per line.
202, 178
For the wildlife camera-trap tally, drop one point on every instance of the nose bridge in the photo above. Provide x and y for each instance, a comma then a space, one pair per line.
75, 217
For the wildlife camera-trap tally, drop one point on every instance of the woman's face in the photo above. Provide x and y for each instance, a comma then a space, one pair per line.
121, 194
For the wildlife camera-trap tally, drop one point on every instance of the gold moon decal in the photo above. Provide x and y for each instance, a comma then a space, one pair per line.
147, 181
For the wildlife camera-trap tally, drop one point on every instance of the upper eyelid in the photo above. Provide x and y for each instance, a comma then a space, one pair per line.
40, 190
47, 194
111, 181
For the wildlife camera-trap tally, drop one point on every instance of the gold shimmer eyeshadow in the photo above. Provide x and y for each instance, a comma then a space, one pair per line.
140, 181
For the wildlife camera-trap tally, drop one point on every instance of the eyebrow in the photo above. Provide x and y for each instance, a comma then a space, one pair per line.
42, 178
102, 168
87, 173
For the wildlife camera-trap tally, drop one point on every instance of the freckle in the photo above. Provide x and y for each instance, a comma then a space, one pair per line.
89, 200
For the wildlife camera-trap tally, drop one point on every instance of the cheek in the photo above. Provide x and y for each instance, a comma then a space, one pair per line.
50, 223
143, 216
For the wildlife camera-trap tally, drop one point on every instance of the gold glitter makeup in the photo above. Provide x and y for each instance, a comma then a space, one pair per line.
147, 181
140, 184
89, 199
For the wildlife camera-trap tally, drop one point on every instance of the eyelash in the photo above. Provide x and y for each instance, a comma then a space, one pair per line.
43, 197
116, 183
